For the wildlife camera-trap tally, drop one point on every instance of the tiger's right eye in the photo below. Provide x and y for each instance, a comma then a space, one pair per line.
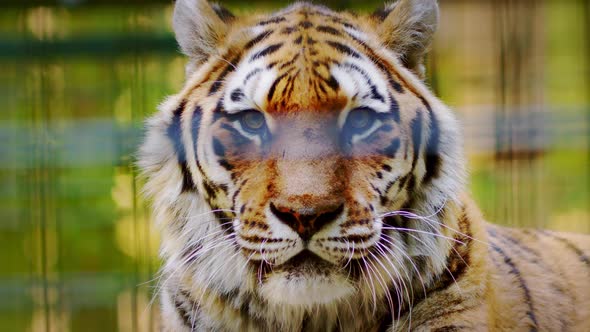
253, 122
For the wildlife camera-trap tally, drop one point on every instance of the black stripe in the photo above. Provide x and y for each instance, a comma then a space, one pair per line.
267, 51
377, 60
219, 81
394, 109
344, 23
271, 65
433, 161
290, 62
581, 255
416, 128
250, 75
522, 284
330, 81
179, 305
344, 49
390, 185
218, 148
174, 133
195, 127
382, 13
287, 95
306, 24
225, 164
395, 84
374, 93
224, 14
510, 242
329, 30
273, 87
184, 315
273, 20
257, 39
234, 197
289, 30
392, 149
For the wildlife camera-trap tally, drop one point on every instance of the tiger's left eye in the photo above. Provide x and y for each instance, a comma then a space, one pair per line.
253, 121
360, 119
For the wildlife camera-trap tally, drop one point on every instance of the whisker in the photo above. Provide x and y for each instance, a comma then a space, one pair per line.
423, 232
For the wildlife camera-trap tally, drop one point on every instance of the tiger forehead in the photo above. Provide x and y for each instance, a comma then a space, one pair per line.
309, 32
300, 46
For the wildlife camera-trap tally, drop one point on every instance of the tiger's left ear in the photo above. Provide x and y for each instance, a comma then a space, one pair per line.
407, 28
200, 27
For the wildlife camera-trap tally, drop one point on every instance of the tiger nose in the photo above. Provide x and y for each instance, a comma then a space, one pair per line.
306, 224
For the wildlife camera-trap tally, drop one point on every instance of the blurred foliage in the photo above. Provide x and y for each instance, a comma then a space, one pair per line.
79, 77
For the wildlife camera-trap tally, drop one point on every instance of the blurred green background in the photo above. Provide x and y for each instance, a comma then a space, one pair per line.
78, 77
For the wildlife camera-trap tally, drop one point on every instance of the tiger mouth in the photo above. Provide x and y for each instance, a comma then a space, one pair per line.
306, 262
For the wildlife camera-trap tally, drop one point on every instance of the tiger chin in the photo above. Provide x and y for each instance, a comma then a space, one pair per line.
306, 179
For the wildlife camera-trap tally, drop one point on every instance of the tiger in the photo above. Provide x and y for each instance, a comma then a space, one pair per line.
305, 178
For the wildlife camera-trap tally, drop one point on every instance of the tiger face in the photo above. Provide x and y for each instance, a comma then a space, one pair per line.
288, 168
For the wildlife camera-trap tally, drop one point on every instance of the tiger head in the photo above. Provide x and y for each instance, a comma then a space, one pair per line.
305, 162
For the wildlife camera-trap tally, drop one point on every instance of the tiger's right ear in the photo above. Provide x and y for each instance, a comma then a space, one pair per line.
407, 28
200, 27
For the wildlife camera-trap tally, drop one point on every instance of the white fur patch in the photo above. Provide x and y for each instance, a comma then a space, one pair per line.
305, 290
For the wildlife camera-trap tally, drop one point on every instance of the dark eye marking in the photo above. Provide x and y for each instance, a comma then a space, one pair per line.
218, 148
237, 95
416, 128
392, 149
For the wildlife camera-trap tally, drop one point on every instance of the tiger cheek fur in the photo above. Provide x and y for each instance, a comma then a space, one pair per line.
305, 179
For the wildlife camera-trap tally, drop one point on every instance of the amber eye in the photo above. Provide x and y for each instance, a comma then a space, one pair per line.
360, 119
253, 121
